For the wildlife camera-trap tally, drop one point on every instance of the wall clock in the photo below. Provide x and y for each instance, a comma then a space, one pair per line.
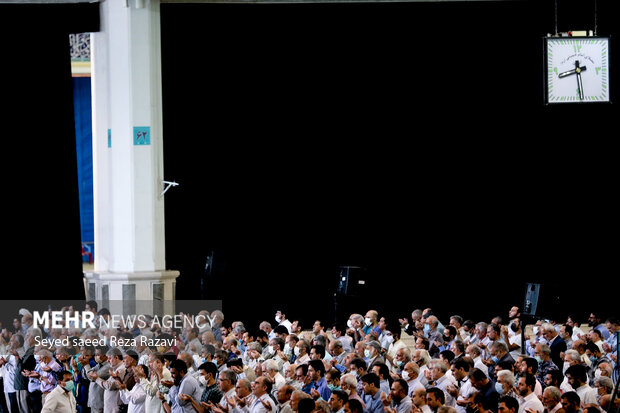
576, 69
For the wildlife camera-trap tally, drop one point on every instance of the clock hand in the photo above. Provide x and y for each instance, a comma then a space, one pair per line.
579, 84
576, 71
567, 73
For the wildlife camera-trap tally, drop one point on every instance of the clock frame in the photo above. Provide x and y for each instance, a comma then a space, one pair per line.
576, 70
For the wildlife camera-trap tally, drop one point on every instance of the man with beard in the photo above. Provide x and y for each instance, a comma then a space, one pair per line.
185, 392
571, 402
528, 402
485, 387
594, 321
398, 400
111, 386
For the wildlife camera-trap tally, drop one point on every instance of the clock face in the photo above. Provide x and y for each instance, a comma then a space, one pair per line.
577, 69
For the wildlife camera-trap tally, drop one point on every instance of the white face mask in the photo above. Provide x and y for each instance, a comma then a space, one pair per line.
271, 350
405, 375
202, 380
296, 351
565, 366
597, 374
349, 324
278, 319
367, 321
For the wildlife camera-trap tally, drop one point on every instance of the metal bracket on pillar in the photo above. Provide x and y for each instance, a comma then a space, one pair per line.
167, 185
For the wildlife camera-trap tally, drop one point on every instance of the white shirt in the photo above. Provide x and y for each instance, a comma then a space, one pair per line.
8, 373
530, 401
465, 391
481, 366
426, 409
286, 324
257, 405
135, 399
443, 384
516, 340
414, 385
346, 343
587, 394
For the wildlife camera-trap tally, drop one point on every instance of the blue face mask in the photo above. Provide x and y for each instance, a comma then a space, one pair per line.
333, 388
495, 359
70, 386
427, 329
499, 388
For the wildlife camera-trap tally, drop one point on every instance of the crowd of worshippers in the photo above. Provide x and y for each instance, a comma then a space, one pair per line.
416, 364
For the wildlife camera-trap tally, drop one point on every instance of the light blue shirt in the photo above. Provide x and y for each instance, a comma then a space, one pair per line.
189, 385
373, 404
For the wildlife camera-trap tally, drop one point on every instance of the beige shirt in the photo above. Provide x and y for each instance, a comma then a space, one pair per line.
59, 401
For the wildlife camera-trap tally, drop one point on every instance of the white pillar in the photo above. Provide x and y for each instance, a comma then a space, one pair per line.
128, 159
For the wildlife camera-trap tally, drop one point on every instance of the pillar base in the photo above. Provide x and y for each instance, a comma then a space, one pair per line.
144, 292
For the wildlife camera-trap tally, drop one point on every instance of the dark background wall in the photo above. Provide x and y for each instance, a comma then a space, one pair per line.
410, 139
41, 255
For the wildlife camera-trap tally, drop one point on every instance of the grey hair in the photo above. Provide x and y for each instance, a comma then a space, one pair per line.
44, 353
271, 364
544, 348
439, 363
349, 379
573, 354
114, 352
301, 394
605, 382
507, 375
553, 392
474, 349
499, 345
358, 317
547, 327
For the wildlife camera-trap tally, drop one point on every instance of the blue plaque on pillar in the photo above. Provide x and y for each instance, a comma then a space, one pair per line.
141, 135
109, 138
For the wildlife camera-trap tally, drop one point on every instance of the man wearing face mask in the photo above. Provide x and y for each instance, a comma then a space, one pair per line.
596, 358
111, 386
45, 371
371, 323
505, 384
301, 352
411, 375
355, 326
61, 399
372, 352
282, 320
102, 369
435, 337
212, 393
398, 363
